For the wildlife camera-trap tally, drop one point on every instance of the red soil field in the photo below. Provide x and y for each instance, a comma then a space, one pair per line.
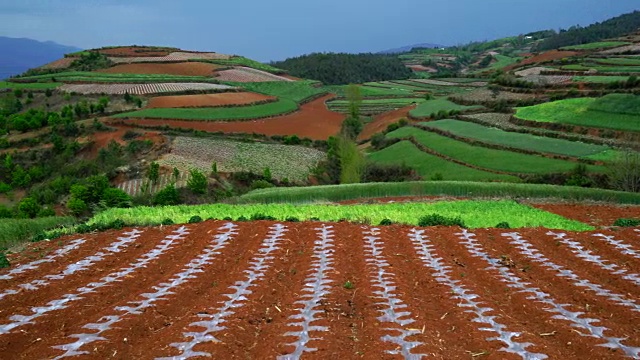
313, 120
543, 57
60, 63
592, 214
247, 290
380, 122
208, 100
129, 51
183, 68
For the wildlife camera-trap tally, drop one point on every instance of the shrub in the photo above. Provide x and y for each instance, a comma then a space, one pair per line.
77, 206
113, 197
242, 218
292, 219
167, 221
266, 173
5, 212
198, 182
627, 222
437, 177
260, 216
153, 173
28, 207
46, 212
261, 184
195, 219
4, 263
435, 219
4, 187
386, 222
503, 225
167, 196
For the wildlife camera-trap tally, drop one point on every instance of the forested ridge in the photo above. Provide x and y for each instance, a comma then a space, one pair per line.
576, 35
342, 68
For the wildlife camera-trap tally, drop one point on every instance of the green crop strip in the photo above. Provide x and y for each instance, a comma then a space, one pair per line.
430, 107
14, 231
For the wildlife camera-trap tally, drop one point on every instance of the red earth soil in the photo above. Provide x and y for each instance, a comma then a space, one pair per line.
436, 286
313, 120
380, 122
183, 69
60, 63
128, 51
102, 139
543, 57
593, 214
208, 100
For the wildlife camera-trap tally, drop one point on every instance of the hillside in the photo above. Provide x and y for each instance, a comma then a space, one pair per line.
20, 55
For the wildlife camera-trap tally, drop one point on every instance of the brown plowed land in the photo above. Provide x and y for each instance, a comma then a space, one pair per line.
380, 122
208, 100
183, 69
131, 51
543, 57
592, 214
245, 296
313, 120
60, 63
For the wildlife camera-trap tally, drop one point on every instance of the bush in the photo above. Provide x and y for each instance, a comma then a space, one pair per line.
260, 216
77, 206
292, 219
4, 187
5, 212
46, 212
503, 225
167, 221
242, 218
261, 184
28, 207
198, 182
435, 220
195, 219
627, 222
167, 196
4, 263
386, 222
114, 197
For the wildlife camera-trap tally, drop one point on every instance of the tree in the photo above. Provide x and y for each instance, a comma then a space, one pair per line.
198, 182
352, 162
214, 168
167, 196
267, 174
624, 171
28, 207
77, 206
176, 174
352, 126
153, 173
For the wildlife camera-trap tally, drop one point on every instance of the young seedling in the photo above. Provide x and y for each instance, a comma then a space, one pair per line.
348, 285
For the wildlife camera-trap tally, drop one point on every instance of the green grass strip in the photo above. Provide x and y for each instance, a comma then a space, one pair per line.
515, 140
29, 86
429, 107
282, 106
428, 165
600, 79
596, 45
437, 188
292, 90
475, 214
500, 160
16, 231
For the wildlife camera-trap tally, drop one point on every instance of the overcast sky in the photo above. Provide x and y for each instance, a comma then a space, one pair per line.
277, 29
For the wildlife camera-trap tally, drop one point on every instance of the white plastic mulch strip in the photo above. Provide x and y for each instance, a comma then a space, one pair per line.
82, 265
619, 244
535, 255
560, 311
587, 255
38, 311
466, 299
213, 323
390, 304
316, 288
72, 245
164, 289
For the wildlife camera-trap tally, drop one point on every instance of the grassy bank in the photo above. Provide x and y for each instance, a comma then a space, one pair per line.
15, 231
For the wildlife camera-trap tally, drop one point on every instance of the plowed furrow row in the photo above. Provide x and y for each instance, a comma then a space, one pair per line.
316, 288
162, 291
466, 299
560, 310
392, 307
619, 244
72, 245
80, 266
62, 303
589, 256
528, 250
215, 322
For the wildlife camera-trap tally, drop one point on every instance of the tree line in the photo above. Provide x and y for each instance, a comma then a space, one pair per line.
342, 68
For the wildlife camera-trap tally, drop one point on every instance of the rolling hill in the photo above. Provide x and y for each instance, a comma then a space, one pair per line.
19, 55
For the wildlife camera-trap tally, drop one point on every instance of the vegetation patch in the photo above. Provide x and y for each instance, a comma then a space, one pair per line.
474, 214
298, 91
15, 231
596, 45
87, 76
433, 107
29, 86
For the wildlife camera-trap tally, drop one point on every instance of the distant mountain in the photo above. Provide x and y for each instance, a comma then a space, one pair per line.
409, 47
20, 55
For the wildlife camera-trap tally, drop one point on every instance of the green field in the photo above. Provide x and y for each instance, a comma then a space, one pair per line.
600, 79
98, 77
428, 165
614, 111
243, 61
515, 140
282, 106
635, 61
596, 45
15, 231
602, 68
374, 106
430, 107
29, 86
486, 158
369, 91
297, 91
399, 84
503, 61
324, 193
475, 214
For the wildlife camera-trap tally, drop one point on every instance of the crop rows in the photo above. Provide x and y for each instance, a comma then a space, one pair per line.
135, 187
290, 290
141, 89
173, 57
245, 74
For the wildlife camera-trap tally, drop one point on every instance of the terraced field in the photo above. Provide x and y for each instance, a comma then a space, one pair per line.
245, 74
374, 106
275, 290
485, 158
432, 107
102, 77
519, 140
141, 89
